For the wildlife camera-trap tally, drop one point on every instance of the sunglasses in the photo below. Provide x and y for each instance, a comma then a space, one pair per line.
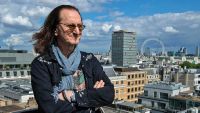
72, 27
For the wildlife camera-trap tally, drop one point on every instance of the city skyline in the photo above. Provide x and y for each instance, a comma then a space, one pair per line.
174, 23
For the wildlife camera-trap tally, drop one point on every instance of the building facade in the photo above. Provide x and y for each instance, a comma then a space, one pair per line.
133, 84
15, 63
124, 49
183, 103
156, 95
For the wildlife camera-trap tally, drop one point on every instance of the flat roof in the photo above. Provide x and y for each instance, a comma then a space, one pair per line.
130, 104
186, 97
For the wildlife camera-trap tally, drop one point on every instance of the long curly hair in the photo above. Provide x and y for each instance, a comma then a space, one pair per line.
46, 34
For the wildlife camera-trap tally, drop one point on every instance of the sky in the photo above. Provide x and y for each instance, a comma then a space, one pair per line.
171, 24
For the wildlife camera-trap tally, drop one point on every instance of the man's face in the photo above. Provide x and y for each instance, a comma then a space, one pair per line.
70, 27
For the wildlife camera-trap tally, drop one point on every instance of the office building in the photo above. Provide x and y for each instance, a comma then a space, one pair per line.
124, 49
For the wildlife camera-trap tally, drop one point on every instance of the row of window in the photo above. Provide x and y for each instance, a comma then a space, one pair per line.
118, 82
13, 73
138, 82
133, 96
136, 89
136, 76
152, 76
155, 95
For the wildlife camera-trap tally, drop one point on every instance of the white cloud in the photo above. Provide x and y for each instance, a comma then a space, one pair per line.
19, 20
116, 13
194, 26
29, 13
36, 11
116, 28
153, 26
106, 27
18, 39
13, 40
95, 29
170, 29
1, 32
83, 5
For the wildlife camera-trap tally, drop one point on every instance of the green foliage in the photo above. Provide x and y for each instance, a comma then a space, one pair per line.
189, 65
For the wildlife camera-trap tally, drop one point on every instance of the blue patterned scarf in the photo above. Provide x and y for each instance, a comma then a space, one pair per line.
69, 65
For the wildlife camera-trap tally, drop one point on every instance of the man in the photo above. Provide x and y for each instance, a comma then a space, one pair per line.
64, 79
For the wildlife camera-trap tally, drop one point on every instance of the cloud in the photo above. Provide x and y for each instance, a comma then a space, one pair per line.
22, 39
157, 25
13, 40
116, 13
18, 17
170, 29
19, 20
2, 32
83, 5
36, 11
106, 27
116, 28
194, 26
102, 17
95, 30
167, 27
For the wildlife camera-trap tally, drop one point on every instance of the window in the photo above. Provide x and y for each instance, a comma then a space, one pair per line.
128, 97
132, 90
135, 89
139, 82
145, 93
128, 83
132, 76
15, 73
22, 72
122, 82
29, 73
117, 82
139, 75
164, 95
1, 75
116, 91
152, 103
155, 94
132, 96
7, 74
135, 82
128, 76
128, 90
161, 105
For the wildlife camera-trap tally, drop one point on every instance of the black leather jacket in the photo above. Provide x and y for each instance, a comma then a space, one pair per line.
46, 72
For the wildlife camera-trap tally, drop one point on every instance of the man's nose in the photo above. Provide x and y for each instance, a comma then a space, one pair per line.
77, 30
